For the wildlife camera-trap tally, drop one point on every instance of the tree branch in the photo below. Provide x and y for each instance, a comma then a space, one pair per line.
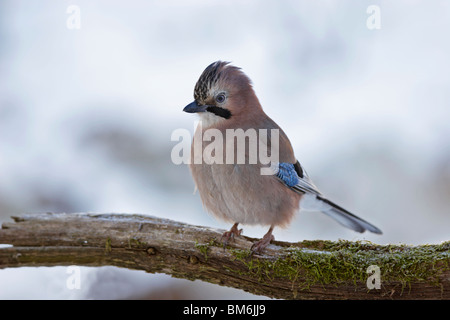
304, 270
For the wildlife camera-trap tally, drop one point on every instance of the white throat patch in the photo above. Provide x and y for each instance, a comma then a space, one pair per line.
209, 119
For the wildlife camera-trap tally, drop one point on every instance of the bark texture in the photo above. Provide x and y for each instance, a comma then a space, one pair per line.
305, 270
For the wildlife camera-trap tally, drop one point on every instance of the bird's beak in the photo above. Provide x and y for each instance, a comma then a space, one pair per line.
193, 107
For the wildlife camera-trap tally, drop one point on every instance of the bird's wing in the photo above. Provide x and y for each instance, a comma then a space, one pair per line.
296, 178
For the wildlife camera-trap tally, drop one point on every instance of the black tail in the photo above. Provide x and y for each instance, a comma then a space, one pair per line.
348, 219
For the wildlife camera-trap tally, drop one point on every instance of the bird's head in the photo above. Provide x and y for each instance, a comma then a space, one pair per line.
222, 92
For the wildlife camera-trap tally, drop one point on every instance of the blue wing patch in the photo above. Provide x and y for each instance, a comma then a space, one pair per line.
287, 173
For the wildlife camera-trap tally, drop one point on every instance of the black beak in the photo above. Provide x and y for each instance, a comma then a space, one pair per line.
193, 107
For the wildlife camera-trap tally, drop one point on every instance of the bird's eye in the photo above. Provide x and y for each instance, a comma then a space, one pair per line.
220, 98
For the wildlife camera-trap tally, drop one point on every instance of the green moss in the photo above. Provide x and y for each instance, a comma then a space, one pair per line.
136, 243
322, 262
327, 262
108, 245
243, 255
204, 247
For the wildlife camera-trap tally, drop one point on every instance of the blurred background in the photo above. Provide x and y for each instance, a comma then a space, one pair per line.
90, 92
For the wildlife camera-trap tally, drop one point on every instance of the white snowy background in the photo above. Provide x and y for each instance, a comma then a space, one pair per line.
86, 117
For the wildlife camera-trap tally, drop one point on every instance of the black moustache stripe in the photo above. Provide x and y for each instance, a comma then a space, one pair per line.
218, 111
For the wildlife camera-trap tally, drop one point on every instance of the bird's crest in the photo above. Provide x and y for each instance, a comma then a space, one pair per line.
208, 80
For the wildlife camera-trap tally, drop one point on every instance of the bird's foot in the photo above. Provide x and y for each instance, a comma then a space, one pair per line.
234, 231
259, 246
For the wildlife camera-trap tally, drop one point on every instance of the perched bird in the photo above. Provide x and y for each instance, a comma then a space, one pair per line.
237, 192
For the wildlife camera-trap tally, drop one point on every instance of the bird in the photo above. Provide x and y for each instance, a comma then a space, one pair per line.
237, 192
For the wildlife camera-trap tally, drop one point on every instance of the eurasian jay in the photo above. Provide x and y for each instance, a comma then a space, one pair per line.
237, 191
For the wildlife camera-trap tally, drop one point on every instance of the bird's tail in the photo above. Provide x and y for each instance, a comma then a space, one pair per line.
345, 218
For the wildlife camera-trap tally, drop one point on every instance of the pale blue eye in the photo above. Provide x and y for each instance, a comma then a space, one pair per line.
220, 98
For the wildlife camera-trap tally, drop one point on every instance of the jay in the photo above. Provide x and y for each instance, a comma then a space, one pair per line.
237, 191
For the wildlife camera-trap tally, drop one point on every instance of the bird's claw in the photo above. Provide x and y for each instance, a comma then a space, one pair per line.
259, 246
227, 235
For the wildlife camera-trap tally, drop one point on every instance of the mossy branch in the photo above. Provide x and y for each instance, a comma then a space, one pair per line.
304, 270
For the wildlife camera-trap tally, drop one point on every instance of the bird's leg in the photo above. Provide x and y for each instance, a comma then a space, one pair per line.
230, 234
260, 245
